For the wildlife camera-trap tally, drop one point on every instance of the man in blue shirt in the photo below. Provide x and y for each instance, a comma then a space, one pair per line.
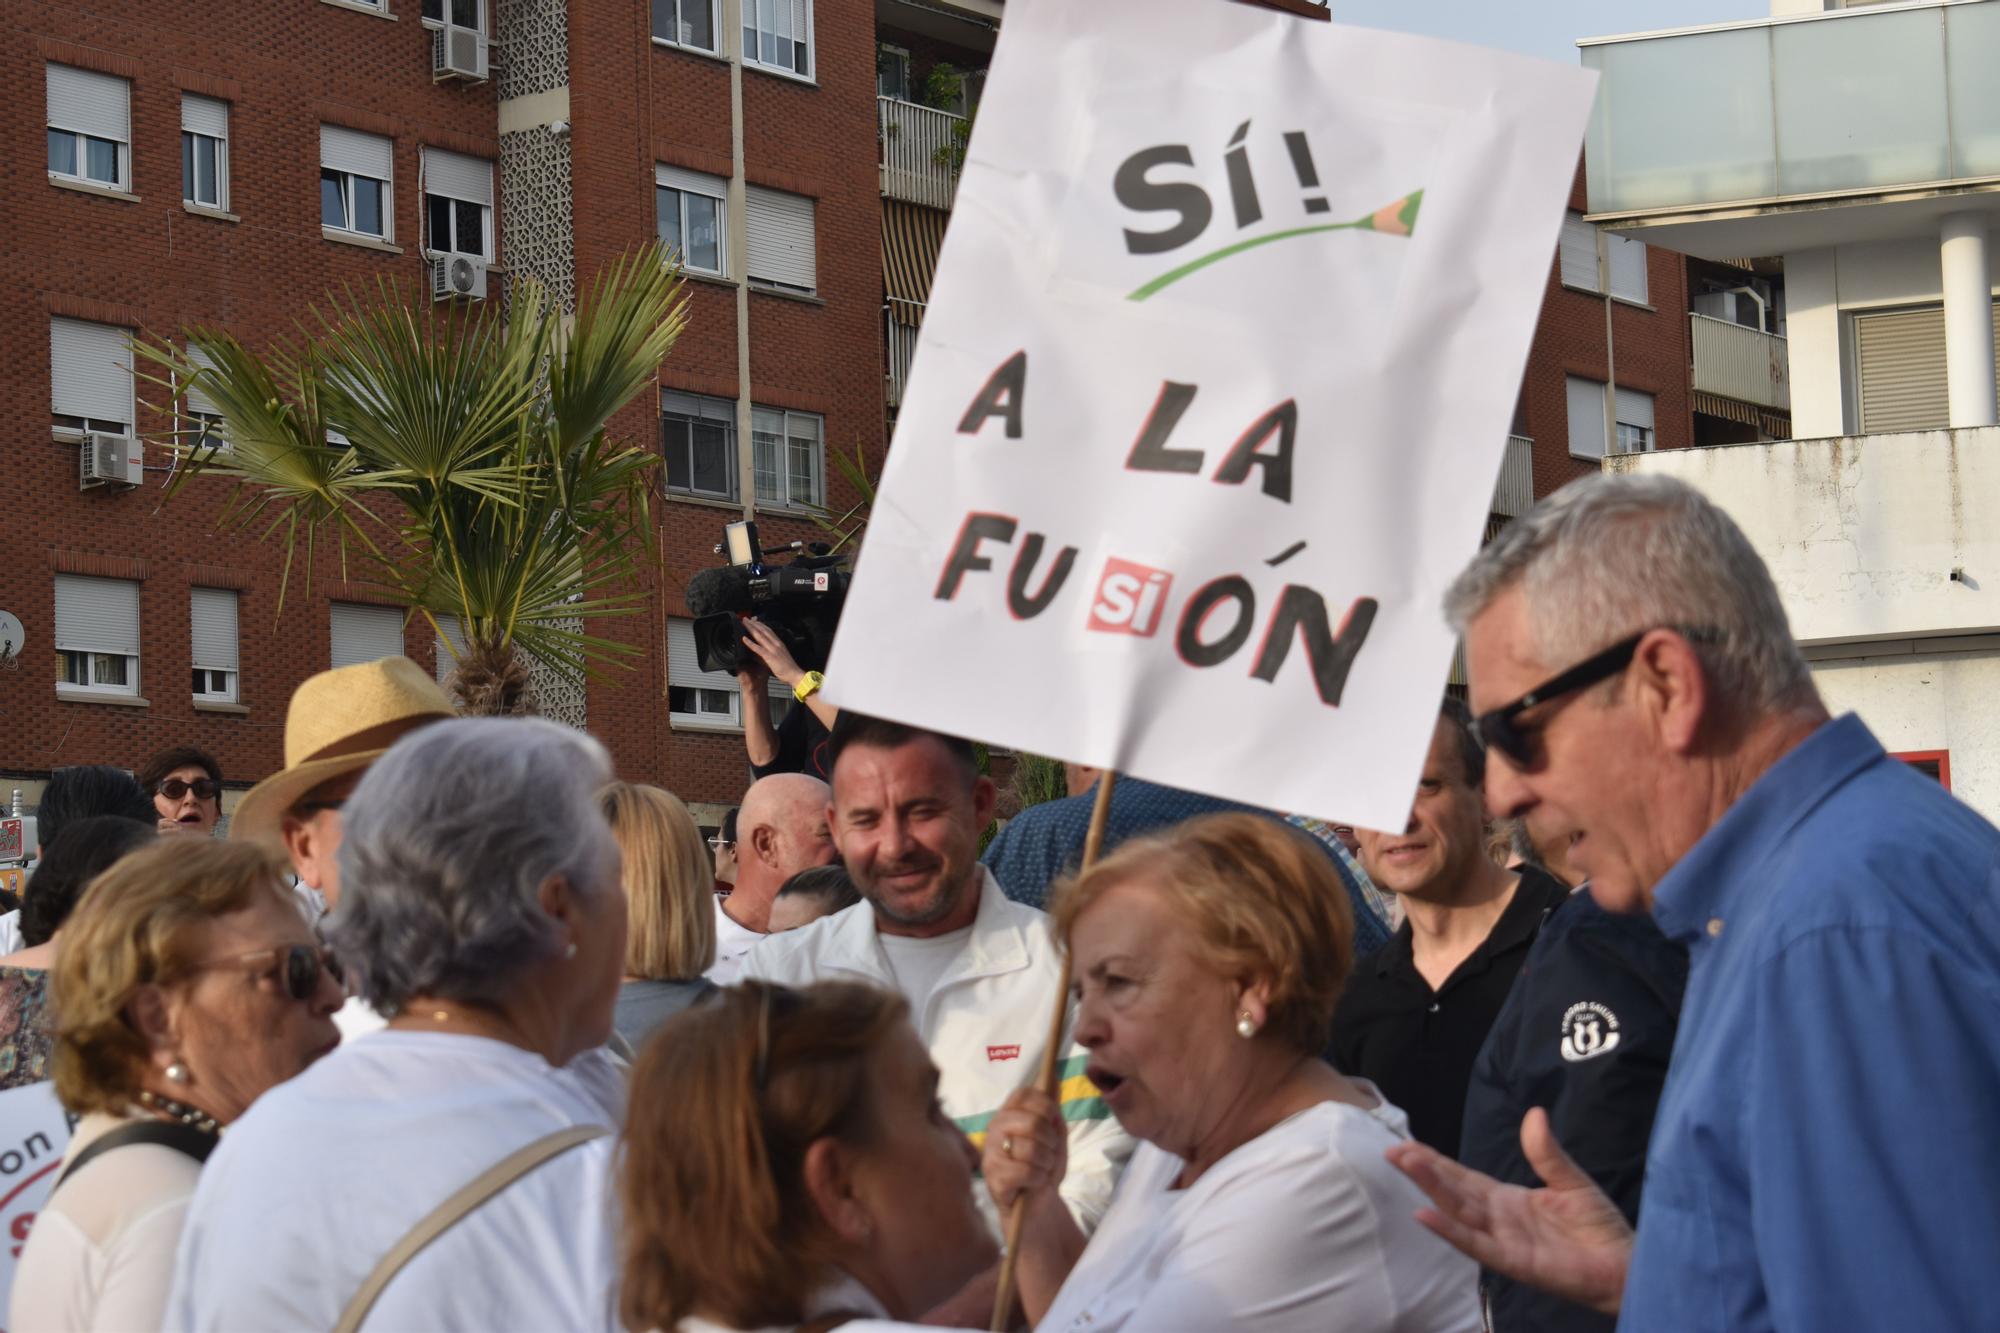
1824, 1153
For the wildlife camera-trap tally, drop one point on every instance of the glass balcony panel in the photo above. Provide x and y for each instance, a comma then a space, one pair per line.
1861, 101
1682, 120
1972, 34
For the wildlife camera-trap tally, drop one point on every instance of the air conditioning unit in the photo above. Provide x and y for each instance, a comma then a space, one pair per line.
110, 459
458, 53
457, 276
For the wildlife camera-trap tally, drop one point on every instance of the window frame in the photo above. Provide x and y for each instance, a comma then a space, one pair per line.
479, 7
753, 59
715, 721
128, 689
679, 6
347, 179
231, 676
890, 53
191, 176
80, 139
731, 458
226, 695
485, 251
784, 472
721, 201
60, 428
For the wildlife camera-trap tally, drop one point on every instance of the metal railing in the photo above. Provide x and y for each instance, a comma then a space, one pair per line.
901, 341
920, 149
1744, 364
1514, 494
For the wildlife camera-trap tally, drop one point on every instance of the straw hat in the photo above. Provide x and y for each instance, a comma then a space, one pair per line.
340, 722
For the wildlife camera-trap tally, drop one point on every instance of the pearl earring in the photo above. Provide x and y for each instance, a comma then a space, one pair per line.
178, 1073
570, 952
1246, 1026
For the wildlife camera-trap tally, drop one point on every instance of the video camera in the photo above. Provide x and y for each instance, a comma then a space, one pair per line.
800, 601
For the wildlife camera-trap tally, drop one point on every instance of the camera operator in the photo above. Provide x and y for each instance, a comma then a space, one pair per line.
798, 744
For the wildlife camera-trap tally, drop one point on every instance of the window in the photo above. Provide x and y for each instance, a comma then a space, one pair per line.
204, 152
90, 376
458, 204
1635, 422
1624, 260
789, 458
90, 127
777, 34
202, 427
1899, 373
97, 635
892, 72
453, 629
212, 615
460, 13
365, 633
706, 699
1933, 764
689, 23
688, 210
781, 246
1586, 420
698, 437
355, 171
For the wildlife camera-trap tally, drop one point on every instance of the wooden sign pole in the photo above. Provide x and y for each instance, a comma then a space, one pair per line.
1052, 1053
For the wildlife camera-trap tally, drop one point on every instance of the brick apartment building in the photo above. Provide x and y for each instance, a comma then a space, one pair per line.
182, 143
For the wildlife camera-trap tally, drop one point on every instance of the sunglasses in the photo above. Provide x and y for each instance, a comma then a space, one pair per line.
298, 967
204, 789
719, 843
1501, 728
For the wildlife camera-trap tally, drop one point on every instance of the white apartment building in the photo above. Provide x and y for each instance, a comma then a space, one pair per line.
1858, 144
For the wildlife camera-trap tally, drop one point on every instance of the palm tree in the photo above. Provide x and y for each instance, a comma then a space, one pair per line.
459, 463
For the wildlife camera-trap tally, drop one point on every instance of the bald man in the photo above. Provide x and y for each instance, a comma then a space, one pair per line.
780, 830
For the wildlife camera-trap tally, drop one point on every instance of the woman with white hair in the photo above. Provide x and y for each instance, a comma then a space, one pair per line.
452, 1171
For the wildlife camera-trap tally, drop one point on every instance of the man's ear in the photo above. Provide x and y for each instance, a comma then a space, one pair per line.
764, 844
828, 1174
984, 796
1673, 688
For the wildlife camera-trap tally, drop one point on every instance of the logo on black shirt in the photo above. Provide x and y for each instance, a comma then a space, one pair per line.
1588, 1030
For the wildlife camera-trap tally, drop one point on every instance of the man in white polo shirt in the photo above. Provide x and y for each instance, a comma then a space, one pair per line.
780, 831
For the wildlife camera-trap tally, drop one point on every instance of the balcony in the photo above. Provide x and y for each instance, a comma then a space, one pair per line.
1795, 113
921, 149
1514, 495
1740, 363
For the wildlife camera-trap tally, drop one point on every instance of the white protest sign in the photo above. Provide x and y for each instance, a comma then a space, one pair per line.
1210, 397
34, 1134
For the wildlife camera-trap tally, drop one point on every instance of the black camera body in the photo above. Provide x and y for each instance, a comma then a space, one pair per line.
800, 601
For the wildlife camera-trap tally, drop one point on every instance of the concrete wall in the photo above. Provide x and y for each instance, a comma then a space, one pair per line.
1929, 703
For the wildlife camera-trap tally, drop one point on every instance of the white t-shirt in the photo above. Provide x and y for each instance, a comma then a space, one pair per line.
101, 1254
10, 933
325, 1173
918, 965
845, 1294
1306, 1226
732, 941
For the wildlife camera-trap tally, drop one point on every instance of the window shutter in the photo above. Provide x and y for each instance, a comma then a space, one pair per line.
454, 631
365, 633
1586, 417
1901, 355
198, 400
457, 176
213, 615
781, 238
1578, 250
679, 178
97, 615
90, 103
90, 370
204, 115
1634, 408
356, 153
1626, 260
683, 667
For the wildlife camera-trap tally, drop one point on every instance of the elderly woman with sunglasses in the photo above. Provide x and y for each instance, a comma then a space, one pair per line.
453, 1170
186, 786
187, 984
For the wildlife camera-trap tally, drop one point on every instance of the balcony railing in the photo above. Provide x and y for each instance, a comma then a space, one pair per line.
1514, 495
1745, 364
1846, 102
920, 149
901, 342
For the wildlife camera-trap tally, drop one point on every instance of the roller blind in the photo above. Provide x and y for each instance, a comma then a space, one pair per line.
90, 370
457, 176
204, 115
679, 178
365, 633
97, 615
356, 153
1901, 356
1626, 261
90, 103
683, 668
780, 236
1578, 252
198, 400
1586, 417
213, 617
1634, 408
454, 631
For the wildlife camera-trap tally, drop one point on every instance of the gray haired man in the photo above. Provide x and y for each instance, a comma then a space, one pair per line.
1822, 1155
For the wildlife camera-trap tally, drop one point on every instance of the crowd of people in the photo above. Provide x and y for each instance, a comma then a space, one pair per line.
1666, 1007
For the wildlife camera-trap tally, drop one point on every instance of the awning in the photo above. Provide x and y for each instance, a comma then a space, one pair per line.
911, 235
1777, 425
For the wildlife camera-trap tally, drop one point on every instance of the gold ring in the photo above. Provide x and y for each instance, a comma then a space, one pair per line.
1007, 1146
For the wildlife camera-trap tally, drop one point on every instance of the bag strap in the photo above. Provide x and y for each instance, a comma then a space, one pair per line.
440, 1219
185, 1139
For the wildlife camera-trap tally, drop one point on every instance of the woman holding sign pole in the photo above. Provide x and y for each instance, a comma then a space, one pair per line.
1207, 961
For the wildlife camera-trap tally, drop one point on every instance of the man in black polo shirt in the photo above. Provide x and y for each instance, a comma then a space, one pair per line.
1417, 1010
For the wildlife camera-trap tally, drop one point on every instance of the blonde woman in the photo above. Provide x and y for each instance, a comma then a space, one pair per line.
670, 907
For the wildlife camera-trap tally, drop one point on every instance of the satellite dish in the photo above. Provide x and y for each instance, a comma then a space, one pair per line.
12, 636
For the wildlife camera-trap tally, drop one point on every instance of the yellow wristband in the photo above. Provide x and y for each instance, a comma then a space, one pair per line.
808, 686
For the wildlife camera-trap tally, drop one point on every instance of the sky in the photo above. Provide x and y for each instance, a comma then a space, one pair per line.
1546, 28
